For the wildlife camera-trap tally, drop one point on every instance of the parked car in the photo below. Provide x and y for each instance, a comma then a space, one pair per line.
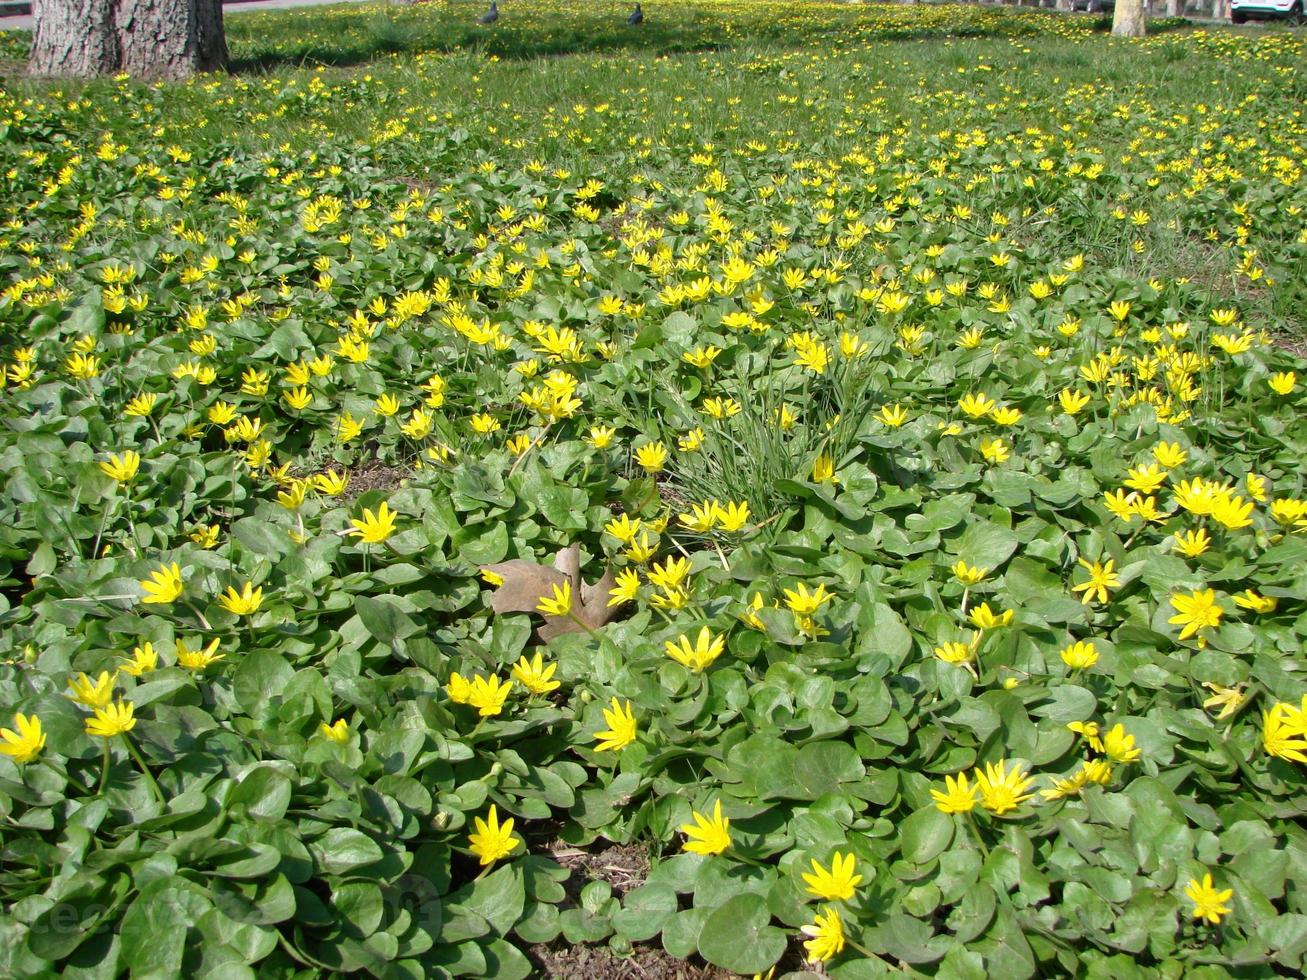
1094, 6
1242, 11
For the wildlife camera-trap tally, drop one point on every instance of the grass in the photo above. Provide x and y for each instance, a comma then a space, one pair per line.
928, 288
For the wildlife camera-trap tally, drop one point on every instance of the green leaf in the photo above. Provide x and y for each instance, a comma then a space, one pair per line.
383, 619
264, 792
925, 834
154, 927
343, 849
644, 910
738, 936
498, 898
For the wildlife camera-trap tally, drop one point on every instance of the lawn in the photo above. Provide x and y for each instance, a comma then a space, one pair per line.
786, 483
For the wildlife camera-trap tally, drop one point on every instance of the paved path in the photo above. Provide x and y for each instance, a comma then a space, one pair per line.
24, 23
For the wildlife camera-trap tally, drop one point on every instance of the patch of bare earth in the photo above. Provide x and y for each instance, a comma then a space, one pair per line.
373, 475
600, 963
625, 867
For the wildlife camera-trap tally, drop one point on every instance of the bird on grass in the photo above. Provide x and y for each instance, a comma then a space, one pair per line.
491, 15
637, 17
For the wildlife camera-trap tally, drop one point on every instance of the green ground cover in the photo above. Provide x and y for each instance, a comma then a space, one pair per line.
853, 453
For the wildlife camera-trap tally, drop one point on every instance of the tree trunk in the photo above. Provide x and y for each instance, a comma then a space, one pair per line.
1221, 9
147, 38
74, 38
1064, 5
1128, 20
1175, 8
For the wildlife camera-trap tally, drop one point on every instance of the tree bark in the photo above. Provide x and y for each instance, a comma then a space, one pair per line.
147, 38
74, 38
1221, 9
1128, 19
1175, 8
1064, 5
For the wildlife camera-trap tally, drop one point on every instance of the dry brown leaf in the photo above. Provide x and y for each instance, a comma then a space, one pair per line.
527, 582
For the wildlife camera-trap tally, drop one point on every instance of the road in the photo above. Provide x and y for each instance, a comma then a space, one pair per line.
24, 22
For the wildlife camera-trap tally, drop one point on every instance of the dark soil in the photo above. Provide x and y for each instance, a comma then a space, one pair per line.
600, 963
624, 866
373, 475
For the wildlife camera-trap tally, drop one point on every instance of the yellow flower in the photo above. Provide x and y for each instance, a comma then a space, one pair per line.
699, 657
492, 840
1101, 579
621, 728
487, 695
93, 694
1232, 511
1191, 544
977, 405
1282, 383
144, 659
1119, 746
1249, 599
122, 469
141, 405
623, 528
561, 602
968, 575
197, 660
893, 415
298, 398
733, 517
701, 518
374, 528
1006, 415
1000, 790
1090, 731
836, 885
1095, 771
601, 435
1228, 699
535, 675
670, 574
995, 450
627, 587
1195, 611
243, 603
823, 470
1282, 733
1146, 479
957, 797
827, 934
337, 732
954, 652
331, 483
1072, 401
1169, 454
984, 618
644, 549
801, 602
164, 585
652, 457
1256, 487
25, 740
701, 357
111, 720
458, 688
705, 836
1080, 655
1209, 903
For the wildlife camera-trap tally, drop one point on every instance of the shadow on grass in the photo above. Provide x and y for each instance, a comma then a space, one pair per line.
341, 37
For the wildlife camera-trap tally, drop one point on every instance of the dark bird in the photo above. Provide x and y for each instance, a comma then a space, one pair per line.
637, 16
491, 15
